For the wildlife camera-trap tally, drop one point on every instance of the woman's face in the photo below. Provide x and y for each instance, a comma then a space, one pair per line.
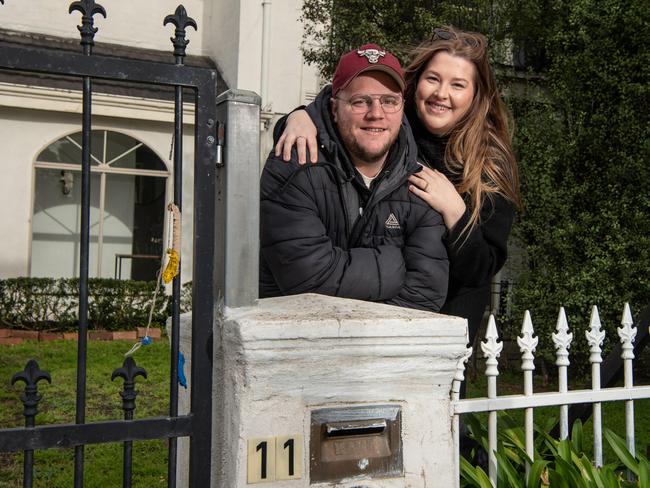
444, 92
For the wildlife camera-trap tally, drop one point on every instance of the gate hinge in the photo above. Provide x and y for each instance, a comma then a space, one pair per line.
221, 141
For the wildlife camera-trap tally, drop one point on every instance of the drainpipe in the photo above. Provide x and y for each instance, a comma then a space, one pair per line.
266, 45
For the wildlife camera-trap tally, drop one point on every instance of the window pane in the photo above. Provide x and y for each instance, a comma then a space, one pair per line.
148, 222
96, 145
61, 151
56, 223
118, 224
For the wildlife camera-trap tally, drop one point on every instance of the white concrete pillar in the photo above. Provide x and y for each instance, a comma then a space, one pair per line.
278, 362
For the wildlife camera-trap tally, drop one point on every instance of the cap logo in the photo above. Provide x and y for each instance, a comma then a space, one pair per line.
373, 55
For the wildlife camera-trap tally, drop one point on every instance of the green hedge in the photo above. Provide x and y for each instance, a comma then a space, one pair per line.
53, 304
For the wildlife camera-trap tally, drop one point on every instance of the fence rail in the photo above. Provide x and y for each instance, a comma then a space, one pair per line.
529, 400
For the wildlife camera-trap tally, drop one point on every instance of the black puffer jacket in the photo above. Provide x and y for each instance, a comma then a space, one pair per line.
323, 231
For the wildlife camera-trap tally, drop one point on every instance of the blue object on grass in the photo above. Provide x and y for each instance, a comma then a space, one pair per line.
146, 340
181, 373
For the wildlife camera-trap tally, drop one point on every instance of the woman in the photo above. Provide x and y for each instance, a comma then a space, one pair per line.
469, 171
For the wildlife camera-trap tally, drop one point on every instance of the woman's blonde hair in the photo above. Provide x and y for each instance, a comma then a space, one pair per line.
479, 152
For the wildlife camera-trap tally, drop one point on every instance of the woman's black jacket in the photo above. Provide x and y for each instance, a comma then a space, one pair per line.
474, 256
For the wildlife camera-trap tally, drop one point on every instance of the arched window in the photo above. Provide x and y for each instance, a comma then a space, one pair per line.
127, 198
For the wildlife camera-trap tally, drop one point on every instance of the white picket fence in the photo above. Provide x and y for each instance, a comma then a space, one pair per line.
491, 404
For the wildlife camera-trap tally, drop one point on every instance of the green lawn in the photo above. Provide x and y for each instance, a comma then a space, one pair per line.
103, 463
53, 468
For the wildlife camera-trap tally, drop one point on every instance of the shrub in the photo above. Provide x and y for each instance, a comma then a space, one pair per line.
53, 304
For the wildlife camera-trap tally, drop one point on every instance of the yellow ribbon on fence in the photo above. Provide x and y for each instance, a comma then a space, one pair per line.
174, 253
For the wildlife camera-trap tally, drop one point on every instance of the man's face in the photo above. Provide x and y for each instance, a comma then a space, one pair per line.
369, 135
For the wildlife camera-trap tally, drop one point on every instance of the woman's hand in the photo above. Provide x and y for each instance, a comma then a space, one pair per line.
301, 131
434, 188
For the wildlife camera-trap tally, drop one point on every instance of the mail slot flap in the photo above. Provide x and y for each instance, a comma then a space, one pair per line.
355, 427
355, 441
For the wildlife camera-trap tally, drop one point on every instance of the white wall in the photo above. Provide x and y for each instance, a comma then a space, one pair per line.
137, 24
230, 32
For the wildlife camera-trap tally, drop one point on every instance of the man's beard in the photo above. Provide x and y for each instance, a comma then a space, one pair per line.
366, 156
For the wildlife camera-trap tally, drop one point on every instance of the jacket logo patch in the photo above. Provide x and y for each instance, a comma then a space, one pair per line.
391, 222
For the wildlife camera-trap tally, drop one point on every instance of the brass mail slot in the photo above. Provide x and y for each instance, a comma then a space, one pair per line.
355, 441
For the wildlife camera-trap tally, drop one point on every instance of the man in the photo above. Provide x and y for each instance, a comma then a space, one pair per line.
347, 225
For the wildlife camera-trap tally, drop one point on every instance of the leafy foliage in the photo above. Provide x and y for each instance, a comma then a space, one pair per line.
333, 27
561, 463
583, 149
575, 74
53, 304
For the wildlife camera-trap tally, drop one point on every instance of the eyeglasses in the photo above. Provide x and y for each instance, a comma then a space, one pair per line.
446, 35
361, 104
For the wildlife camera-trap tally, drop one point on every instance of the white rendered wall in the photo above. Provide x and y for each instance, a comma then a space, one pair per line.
137, 24
230, 32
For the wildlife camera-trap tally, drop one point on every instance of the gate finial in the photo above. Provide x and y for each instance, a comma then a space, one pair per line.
491, 348
595, 337
562, 339
527, 344
627, 333
88, 9
129, 371
31, 375
181, 21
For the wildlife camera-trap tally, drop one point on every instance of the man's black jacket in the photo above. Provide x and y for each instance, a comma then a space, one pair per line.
323, 231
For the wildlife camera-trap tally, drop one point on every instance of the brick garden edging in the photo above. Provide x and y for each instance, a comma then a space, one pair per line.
17, 336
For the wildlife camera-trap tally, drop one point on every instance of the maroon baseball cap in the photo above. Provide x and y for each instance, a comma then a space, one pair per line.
368, 57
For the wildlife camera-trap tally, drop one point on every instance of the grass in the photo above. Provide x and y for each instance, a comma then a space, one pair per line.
53, 468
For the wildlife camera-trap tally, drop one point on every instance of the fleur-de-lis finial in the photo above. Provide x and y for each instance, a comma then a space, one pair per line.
88, 9
31, 375
181, 21
527, 344
491, 348
562, 339
627, 333
595, 337
459, 377
129, 371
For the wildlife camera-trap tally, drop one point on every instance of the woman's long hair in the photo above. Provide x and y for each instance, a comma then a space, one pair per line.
479, 152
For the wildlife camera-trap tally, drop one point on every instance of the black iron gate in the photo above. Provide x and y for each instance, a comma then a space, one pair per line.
197, 424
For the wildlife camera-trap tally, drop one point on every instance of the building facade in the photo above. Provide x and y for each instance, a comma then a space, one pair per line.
253, 44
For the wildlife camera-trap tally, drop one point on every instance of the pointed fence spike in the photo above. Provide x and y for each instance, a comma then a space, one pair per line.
562, 339
627, 333
491, 348
527, 344
627, 315
595, 337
